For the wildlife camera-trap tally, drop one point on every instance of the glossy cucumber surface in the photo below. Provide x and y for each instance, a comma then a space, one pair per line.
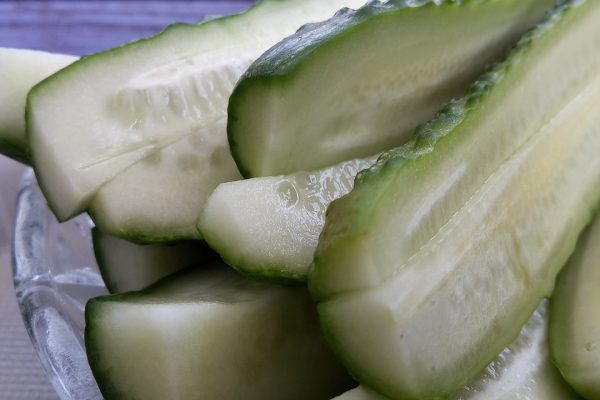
269, 227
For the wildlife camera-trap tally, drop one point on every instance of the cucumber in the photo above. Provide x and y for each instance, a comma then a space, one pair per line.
360, 82
159, 198
445, 247
210, 333
523, 371
107, 112
127, 266
269, 227
575, 316
20, 70
360, 393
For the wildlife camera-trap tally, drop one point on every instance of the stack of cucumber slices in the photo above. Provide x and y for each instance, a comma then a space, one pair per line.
417, 175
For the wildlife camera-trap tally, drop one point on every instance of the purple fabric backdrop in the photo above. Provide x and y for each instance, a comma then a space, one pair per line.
84, 27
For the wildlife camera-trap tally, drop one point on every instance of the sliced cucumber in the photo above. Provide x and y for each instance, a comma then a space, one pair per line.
523, 371
269, 227
361, 393
359, 83
575, 317
445, 247
20, 70
209, 333
127, 266
108, 111
159, 198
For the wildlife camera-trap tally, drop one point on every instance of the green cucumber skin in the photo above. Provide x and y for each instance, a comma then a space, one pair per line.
574, 322
278, 67
348, 219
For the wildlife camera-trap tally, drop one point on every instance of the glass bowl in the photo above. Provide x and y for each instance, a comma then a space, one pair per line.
55, 273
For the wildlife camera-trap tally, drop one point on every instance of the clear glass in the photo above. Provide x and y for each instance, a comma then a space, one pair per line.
55, 273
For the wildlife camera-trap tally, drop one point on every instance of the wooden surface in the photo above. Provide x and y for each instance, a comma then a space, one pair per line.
74, 27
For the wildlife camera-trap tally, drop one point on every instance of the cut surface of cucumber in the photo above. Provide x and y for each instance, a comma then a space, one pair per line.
361, 393
523, 371
127, 266
104, 113
360, 82
269, 227
159, 198
210, 333
20, 70
575, 316
445, 247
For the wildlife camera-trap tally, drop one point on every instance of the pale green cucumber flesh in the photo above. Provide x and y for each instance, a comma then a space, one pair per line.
127, 266
575, 316
269, 227
523, 371
359, 83
108, 111
445, 247
159, 198
360, 393
20, 70
210, 333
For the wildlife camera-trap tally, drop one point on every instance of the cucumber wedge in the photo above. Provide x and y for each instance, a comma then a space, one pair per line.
108, 111
127, 266
159, 198
269, 227
445, 247
20, 70
523, 371
575, 316
209, 333
360, 82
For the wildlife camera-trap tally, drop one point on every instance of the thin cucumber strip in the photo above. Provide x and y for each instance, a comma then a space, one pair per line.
210, 333
127, 266
20, 70
445, 247
269, 227
523, 371
108, 111
575, 316
360, 82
